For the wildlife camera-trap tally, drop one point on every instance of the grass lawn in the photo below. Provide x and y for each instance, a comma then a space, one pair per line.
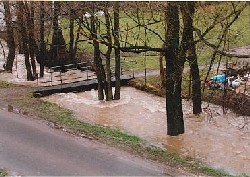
238, 33
136, 63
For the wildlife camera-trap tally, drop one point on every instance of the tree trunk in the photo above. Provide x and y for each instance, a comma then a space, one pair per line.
117, 52
109, 95
10, 37
76, 41
58, 42
97, 55
174, 68
188, 10
196, 83
20, 44
32, 42
24, 37
162, 73
42, 47
78, 35
71, 34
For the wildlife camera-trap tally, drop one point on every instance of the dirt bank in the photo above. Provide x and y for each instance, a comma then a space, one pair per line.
239, 103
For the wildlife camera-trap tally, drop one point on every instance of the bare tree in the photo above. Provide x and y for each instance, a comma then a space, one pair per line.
24, 37
179, 45
58, 41
117, 51
42, 46
33, 49
10, 37
229, 21
103, 37
97, 54
162, 72
174, 68
71, 33
188, 10
109, 95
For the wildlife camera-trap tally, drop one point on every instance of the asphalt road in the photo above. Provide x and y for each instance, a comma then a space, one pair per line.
30, 147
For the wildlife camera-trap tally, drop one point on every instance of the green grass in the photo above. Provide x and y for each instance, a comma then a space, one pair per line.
3, 172
150, 62
65, 118
4, 84
137, 63
239, 33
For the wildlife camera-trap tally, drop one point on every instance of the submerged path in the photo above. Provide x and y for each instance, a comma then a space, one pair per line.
85, 85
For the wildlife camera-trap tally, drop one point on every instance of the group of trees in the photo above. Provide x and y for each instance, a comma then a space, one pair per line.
173, 23
21, 36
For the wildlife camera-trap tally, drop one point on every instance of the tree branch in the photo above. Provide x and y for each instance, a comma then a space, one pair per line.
213, 46
215, 22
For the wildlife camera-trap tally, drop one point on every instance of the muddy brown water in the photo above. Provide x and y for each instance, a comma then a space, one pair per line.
220, 140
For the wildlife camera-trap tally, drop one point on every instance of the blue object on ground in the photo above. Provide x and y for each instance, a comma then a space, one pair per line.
219, 78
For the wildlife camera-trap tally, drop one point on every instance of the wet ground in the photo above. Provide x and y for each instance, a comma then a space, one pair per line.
50, 78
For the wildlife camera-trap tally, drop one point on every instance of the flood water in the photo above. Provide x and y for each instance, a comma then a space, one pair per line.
19, 74
220, 140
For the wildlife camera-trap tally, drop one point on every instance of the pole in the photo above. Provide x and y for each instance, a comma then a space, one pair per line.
145, 65
61, 78
37, 79
145, 57
51, 77
133, 63
16, 67
228, 35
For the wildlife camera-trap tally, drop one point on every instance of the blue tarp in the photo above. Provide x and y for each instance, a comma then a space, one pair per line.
219, 78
